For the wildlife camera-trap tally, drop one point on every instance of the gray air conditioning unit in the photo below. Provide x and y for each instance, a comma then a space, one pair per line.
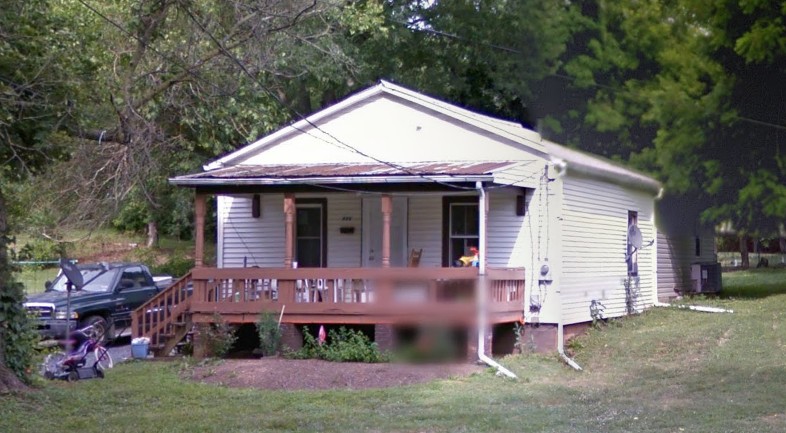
706, 277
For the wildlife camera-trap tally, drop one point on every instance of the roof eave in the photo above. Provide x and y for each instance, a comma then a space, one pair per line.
629, 179
195, 182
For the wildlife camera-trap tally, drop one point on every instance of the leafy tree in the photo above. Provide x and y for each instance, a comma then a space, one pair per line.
690, 91
35, 100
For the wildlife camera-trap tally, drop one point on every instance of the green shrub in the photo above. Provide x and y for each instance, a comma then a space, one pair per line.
219, 337
19, 335
344, 345
41, 250
176, 265
269, 333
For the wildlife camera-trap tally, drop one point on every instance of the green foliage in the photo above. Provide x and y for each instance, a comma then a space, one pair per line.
176, 264
219, 337
19, 332
133, 217
269, 333
342, 345
40, 249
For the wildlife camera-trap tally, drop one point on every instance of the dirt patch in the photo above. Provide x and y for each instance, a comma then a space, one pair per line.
724, 338
109, 252
290, 374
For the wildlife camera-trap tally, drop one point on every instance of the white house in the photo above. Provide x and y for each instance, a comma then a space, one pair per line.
353, 194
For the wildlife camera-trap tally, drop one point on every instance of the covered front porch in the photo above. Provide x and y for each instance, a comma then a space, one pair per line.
371, 253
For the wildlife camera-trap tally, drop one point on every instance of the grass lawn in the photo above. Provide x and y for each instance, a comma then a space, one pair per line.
666, 370
34, 278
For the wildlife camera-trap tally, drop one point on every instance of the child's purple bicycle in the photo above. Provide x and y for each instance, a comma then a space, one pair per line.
72, 364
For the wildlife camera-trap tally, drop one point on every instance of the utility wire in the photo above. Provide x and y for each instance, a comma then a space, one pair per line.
336, 141
333, 137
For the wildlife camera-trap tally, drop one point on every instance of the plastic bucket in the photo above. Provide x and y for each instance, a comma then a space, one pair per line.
139, 350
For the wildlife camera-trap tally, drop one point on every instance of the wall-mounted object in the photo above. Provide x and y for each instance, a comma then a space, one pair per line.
346, 230
256, 206
521, 204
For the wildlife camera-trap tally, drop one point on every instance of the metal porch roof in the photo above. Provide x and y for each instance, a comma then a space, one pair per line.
448, 171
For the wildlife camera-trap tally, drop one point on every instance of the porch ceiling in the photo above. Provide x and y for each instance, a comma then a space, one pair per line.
333, 173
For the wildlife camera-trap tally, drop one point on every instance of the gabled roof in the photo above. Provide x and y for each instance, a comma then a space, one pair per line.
509, 131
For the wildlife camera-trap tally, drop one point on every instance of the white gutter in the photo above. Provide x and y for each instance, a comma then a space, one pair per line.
326, 180
562, 169
481, 295
695, 308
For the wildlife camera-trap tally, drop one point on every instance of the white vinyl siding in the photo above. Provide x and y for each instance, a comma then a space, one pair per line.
675, 255
343, 210
425, 228
509, 242
260, 241
594, 238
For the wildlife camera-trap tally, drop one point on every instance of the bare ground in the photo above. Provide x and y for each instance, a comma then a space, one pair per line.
310, 374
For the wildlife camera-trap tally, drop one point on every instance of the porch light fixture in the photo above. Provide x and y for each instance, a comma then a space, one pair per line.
521, 204
256, 206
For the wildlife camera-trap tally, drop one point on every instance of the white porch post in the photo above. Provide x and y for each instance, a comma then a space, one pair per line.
481, 286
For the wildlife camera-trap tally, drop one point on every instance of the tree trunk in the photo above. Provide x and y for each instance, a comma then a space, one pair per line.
8, 380
746, 262
152, 234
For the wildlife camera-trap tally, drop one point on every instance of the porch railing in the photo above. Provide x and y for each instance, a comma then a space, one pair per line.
354, 295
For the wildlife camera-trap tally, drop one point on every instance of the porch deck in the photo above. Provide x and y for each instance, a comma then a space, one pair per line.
395, 296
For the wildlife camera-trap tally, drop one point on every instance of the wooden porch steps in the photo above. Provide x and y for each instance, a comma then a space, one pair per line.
166, 318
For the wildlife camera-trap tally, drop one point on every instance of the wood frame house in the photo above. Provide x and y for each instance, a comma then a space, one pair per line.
357, 214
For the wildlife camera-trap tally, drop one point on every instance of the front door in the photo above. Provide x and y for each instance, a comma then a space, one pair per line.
372, 232
310, 231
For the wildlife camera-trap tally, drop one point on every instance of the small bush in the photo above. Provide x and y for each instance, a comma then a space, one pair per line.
20, 332
344, 345
41, 250
269, 333
177, 265
219, 337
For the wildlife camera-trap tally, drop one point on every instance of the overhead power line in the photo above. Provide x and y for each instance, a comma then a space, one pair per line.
335, 140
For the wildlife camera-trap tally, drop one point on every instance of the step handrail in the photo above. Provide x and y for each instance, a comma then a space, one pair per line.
137, 314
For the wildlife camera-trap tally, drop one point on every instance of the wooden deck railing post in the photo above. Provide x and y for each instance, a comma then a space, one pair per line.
387, 210
199, 234
289, 229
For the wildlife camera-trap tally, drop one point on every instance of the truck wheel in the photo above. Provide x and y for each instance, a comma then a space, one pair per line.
98, 330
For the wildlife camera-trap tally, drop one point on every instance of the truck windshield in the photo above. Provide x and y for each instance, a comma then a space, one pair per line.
97, 280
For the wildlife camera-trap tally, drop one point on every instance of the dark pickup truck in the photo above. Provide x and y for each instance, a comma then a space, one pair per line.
110, 293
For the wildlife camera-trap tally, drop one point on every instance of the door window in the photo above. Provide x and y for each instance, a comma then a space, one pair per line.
310, 246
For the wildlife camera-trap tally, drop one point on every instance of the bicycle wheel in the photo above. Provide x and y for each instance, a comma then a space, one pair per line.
52, 364
103, 358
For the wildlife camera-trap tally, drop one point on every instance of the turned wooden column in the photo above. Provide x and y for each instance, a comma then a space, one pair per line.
387, 211
289, 229
199, 230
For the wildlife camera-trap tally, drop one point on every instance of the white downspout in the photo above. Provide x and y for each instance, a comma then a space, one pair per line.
561, 166
481, 292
